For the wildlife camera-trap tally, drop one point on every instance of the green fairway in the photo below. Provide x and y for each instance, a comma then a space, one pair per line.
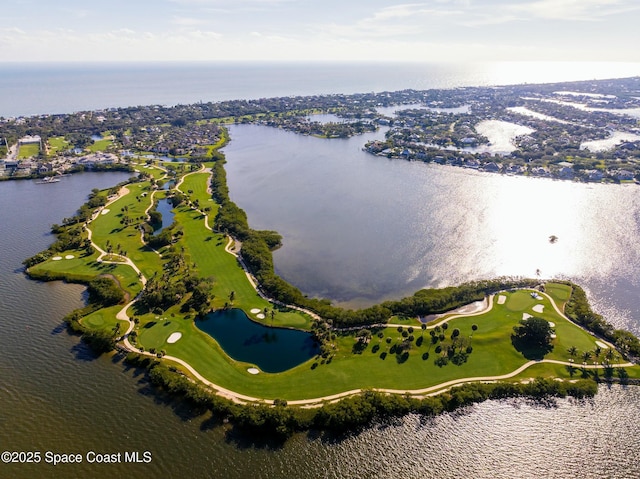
28, 150
57, 144
472, 346
100, 145
492, 355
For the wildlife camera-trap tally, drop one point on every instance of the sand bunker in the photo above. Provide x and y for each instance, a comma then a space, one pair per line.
552, 324
174, 338
56, 258
255, 310
526, 316
260, 316
553, 336
69, 256
105, 211
501, 299
601, 345
253, 370
538, 308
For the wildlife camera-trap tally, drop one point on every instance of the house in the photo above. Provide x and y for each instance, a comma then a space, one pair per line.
566, 173
594, 175
491, 167
624, 175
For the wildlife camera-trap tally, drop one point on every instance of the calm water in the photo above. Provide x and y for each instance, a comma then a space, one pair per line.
273, 350
166, 210
358, 228
30, 89
55, 395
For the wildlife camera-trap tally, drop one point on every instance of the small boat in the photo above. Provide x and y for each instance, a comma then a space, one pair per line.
47, 180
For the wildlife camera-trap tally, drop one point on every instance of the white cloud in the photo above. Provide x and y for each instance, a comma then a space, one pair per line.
582, 10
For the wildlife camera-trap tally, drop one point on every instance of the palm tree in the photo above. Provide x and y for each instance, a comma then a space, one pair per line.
586, 356
597, 351
572, 351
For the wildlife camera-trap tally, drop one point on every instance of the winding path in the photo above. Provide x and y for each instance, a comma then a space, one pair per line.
318, 401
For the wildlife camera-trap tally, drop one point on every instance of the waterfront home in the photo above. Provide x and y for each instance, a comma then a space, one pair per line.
594, 175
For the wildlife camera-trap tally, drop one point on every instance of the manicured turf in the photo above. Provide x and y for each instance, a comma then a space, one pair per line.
493, 354
57, 143
375, 366
559, 292
29, 150
100, 145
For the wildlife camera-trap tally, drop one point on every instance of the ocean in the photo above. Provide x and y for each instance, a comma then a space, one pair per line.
34, 89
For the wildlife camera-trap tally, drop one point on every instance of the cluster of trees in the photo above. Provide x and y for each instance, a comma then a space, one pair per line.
162, 293
579, 310
352, 413
105, 292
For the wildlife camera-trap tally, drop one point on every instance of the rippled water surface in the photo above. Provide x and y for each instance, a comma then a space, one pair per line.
359, 228
57, 396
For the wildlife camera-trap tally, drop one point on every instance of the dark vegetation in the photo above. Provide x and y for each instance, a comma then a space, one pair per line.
349, 414
532, 337
579, 310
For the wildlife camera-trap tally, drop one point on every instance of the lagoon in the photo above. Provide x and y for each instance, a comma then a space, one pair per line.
273, 350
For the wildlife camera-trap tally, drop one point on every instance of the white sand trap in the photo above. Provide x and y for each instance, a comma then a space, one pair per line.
538, 308
56, 258
174, 338
526, 316
260, 316
552, 324
255, 310
553, 336
501, 299
105, 211
69, 256
253, 370
601, 345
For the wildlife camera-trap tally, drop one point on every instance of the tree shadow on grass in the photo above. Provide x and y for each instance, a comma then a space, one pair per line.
530, 351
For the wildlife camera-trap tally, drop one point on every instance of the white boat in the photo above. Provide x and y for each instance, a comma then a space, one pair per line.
47, 180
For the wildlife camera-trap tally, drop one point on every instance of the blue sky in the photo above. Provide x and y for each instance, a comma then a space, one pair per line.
342, 30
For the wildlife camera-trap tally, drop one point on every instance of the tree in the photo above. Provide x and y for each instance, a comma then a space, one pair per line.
572, 351
532, 337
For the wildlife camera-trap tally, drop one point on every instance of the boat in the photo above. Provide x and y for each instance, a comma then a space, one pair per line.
47, 180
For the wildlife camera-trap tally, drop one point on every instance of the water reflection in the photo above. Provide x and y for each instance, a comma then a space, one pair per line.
359, 229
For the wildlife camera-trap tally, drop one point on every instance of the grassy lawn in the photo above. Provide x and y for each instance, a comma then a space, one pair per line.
559, 292
100, 145
107, 227
58, 143
105, 319
28, 151
493, 354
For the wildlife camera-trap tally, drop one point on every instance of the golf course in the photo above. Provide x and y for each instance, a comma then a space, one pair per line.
176, 283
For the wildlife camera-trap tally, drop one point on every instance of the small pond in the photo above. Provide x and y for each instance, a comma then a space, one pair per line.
273, 350
165, 208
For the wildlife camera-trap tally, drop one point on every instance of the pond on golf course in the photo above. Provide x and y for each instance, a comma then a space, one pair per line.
273, 350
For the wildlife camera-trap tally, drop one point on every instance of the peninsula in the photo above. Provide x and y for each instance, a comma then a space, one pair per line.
151, 294
164, 293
